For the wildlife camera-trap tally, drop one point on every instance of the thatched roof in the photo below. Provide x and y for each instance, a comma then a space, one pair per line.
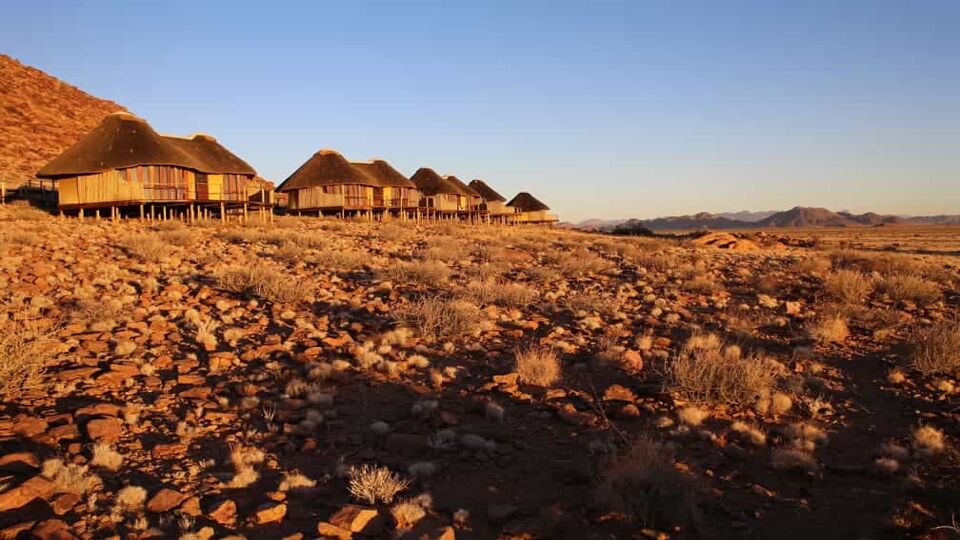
385, 174
526, 202
123, 140
486, 191
327, 168
430, 183
464, 189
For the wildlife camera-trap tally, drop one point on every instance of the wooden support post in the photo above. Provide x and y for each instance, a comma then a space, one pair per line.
141, 212
3, 193
244, 212
80, 215
223, 213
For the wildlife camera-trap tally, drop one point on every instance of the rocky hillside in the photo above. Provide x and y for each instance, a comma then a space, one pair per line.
41, 116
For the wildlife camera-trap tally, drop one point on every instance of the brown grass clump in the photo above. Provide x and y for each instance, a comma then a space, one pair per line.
580, 262
936, 349
260, 282
180, 237
69, 478
928, 440
372, 484
24, 355
147, 247
707, 372
591, 303
645, 485
908, 288
830, 329
702, 284
106, 457
341, 260
539, 366
440, 318
848, 286
500, 293
423, 272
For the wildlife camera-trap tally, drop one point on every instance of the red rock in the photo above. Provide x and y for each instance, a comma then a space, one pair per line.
64, 503
270, 513
329, 530
224, 512
633, 360
165, 500
105, 429
53, 529
354, 518
77, 373
191, 506
67, 431
18, 460
99, 409
510, 379
16, 531
197, 392
617, 392
33, 488
28, 426
163, 450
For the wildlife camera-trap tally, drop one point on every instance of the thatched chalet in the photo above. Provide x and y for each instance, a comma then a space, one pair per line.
494, 204
125, 166
527, 209
439, 198
470, 201
395, 195
329, 184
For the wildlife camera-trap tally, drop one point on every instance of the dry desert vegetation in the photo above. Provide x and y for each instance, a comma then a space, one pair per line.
336, 379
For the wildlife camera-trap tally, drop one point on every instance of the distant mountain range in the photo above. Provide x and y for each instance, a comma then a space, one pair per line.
795, 217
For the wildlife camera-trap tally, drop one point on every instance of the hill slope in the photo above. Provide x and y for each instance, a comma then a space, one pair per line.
40, 116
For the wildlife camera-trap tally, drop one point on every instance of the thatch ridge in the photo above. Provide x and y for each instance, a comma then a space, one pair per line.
526, 202
463, 188
327, 168
430, 183
123, 140
486, 192
385, 173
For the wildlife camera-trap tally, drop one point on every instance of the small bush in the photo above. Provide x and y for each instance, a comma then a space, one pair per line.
105, 456
180, 237
705, 371
372, 484
848, 286
830, 329
24, 355
500, 293
342, 260
580, 262
261, 282
936, 349
423, 272
907, 288
928, 440
439, 318
147, 247
539, 366
645, 485
592, 303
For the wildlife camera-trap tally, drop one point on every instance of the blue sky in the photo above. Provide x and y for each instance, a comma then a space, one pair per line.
601, 109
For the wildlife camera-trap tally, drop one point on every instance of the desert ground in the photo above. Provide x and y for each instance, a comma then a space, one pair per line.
322, 378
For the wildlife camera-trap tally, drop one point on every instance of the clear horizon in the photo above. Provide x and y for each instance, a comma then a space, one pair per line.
605, 110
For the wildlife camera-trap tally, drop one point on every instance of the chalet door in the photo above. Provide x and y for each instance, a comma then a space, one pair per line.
203, 187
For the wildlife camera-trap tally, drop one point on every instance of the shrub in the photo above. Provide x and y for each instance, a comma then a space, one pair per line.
180, 237
423, 272
440, 318
936, 349
261, 282
702, 284
372, 484
539, 366
500, 293
705, 371
848, 286
592, 303
907, 288
24, 355
928, 440
581, 262
645, 485
342, 260
105, 456
830, 329
147, 247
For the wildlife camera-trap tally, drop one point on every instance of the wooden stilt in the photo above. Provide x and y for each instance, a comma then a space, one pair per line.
141, 212
223, 213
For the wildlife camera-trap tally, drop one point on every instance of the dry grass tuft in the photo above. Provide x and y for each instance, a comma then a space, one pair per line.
928, 440
373, 484
539, 366
500, 293
707, 372
106, 457
848, 286
908, 288
439, 318
830, 329
936, 349
24, 355
147, 247
645, 485
692, 415
422, 272
257, 281
293, 481
69, 478
130, 498
407, 513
